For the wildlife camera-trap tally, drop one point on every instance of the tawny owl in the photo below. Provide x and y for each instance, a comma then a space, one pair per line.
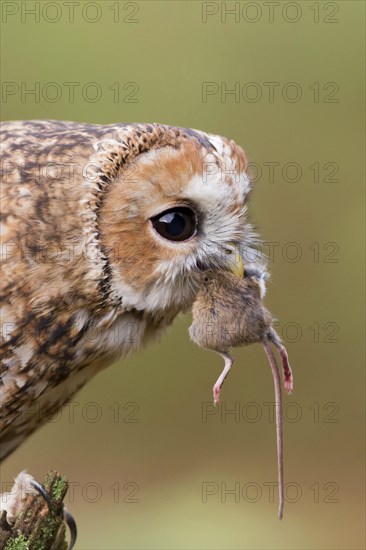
105, 230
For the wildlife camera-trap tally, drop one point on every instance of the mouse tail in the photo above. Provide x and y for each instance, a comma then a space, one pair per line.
278, 403
282, 352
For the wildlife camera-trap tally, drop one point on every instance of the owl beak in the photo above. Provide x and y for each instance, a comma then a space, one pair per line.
234, 261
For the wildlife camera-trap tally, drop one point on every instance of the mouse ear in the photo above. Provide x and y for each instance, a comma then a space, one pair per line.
259, 276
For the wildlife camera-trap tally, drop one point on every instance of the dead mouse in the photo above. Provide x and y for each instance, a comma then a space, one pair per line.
229, 312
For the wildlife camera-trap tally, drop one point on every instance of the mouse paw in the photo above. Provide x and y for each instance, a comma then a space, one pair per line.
216, 394
289, 386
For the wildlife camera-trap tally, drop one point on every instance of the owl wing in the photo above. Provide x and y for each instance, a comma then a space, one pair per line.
50, 288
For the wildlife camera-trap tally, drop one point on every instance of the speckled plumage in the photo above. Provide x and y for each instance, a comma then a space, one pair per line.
84, 277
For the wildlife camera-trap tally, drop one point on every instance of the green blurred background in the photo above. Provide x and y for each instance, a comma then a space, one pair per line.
164, 460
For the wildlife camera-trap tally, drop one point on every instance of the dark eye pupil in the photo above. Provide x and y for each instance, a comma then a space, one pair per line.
174, 223
177, 224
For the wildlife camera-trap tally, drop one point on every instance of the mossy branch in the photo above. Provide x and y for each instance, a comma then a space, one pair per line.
38, 527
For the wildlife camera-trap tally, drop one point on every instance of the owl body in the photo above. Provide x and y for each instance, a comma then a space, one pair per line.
89, 270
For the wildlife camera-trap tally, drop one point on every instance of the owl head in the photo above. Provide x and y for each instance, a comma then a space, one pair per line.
170, 203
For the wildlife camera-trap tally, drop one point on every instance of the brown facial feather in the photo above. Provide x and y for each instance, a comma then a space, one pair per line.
154, 184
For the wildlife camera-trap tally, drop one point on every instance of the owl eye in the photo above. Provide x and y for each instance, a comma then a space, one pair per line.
176, 224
